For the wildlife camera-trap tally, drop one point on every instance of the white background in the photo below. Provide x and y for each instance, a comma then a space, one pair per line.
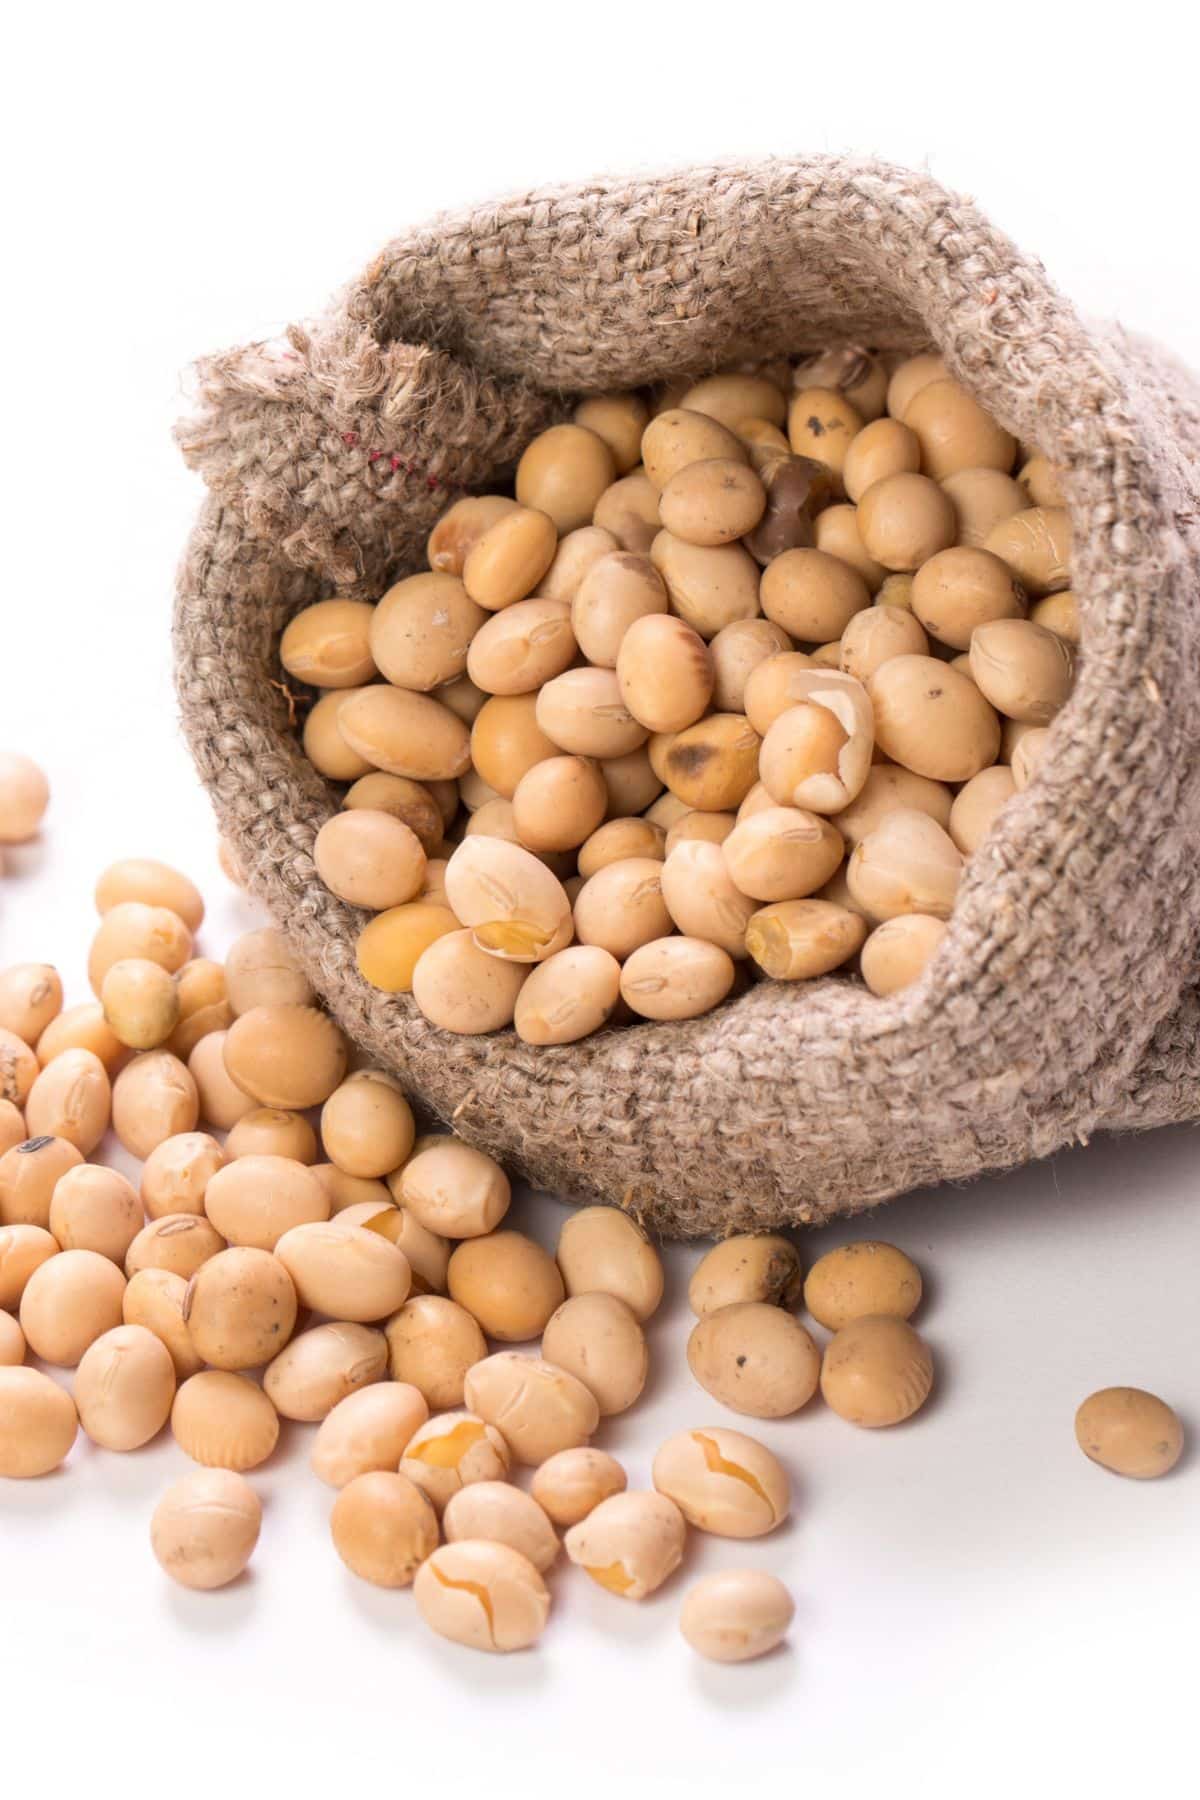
978, 1608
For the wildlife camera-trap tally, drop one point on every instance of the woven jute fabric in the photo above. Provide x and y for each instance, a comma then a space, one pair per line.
1064, 998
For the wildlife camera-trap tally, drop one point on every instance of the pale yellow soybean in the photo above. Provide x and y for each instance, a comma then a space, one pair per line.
38, 1423
617, 590
31, 995
602, 1250
286, 1056
153, 1098
982, 499
977, 804
796, 940
513, 905
421, 629
409, 801
179, 1242
537, 1406
568, 996
875, 635
68, 1302
154, 884
896, 952
1023, 669
709, 586
723, 1481
1129, 1431
876, 1371
571, 1483
482, 1594
155, 1298
462, 988
1036, 545
345, 1271
782, 853
367, 1431
859, 1280
620, 419
94, 1208
367, 1125
132, 929
224, 1421
405, 733
496, 1512
270, 1131
452, 1451
617, 841
28, 1175
664, 673
519, 649
23, 1248
328, 645
630, 1543
680, 436
736, 1615
563, 473
905, 519
240, 1309
676, 978
203, 1003
955, 432
383, 1527
124, 1388
622, 906
628, 512
176, 1174
460, 528
596, 1338
321, 1366
253, 1200
432, 1342
933, 719
507, 1282
205, 1528
71, 1098
887, 789
908, 864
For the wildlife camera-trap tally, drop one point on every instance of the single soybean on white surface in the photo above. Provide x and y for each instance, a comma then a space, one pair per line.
977, 1607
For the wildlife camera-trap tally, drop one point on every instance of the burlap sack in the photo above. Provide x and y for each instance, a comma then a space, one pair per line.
1063, 999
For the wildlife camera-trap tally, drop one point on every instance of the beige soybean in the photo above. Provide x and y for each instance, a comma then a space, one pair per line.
321, 1366
676, 978
346, 1191
451, 1452
710, 587
205, 1528
24, 797
29, 1173
367, 1125
628, 513
367, 1432
432, 1342
630, 1543
601, 1250
1027, 756
755, 1358
850, 370
631, 782
240, 1309
285, 1056
622, 907
405, 733
141, 1003
31, 995
519, 649
933, 719
23, 1248
908, 864
568, 996
664, 673
705, 827
421, 629
94, 1208
723, 1481
982, 498
583, 713
133, 929
203, 1001
817, 755
955, 432
254, 1199
596, 1338
497, 1512
620, 420
68, 1302
736, 1615
796, 940
732, 397
667, 811
383, 1527
559, 803
72, 1099
875, 635
409, 801
1036, 545
369, 859
428, 1254
736, 652
325, 747
155, 1298
153, 1098
269, 1131
777, 684
38, 1423
962, 588
1041, 482
345, 1270
572, 1483
153, 884
977, 804
563, 472
12, 1342
261, 970
906, 519
124, 1388
876, 1371
176, 1174
762, 1266
681, 436
860, 1280
511, 903
1059, 613
822, 423
179, 1242
509, 560
909, 377
224, 1421
896, 952
712, 502
766, 443
782, 853
454, 1189
888, 789
1023, 669
882, 448
812, 595
1129, 1431
837, 533
328, 645
482, 1594
12, 1126
464, 989
538, 1407
222, 1101
617, 591
460, 528
507, 1282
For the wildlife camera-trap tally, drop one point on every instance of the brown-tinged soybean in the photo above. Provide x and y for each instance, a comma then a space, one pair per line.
850, 370
94, 1208
1059, 613
389, 948
224, 1421
731, 397
133, 929
222, 1101
178, 1242
29, 1173
432, 1342
884, 447
286, 1056
141, 1002
601, 1250
708, 827
451, 1452
909, 377
709, 586
1129, 1431
676, 978
962, 588
24, 797
982, 499
876, 1371
321, 1366
907, 864
538, 1407
23, 1248
176, 1174
345, 1271
812, 595
754, 1266
153, 1098
31, 995
628, 512
571, 1483
836, 533
497, 1512
1027, 755
12, 1342
383, 1527
507, 1282
782, 853
778, 683
270, 1131
623, 906
620, 420
817, 755
519, 649
723, 1481
405, 733
861, 1279
563, 473
72, 1099
12, 1126
38, 1423
154, 1298
559, 803
665, 673
367, 1125
240, 1308
977, 804
18, 1068
205, 1528
906, 519
506, 740
766, 443
409, 801
262, 970
795, 940
68, 1302
736, 652
822, 423
253, 1200
713, 765
629, 1543
875, 635
568, 996
712, 502
454, 1189
754, 1358
680, 436
328, 645
896, 952
203, 1003
482, 1594
617, 841
1041, 482
632, 783
511, 558
887, 789
1023, 669
420, 631
124, 1388
325, 747
462, 988
595, 1338
617, 590
367, 1432
736, 1615
955, 432
933, 719
460, 528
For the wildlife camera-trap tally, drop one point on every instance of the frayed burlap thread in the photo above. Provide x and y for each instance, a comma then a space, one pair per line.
1064, 998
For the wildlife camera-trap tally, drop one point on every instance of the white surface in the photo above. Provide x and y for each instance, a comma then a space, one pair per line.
978, 1607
